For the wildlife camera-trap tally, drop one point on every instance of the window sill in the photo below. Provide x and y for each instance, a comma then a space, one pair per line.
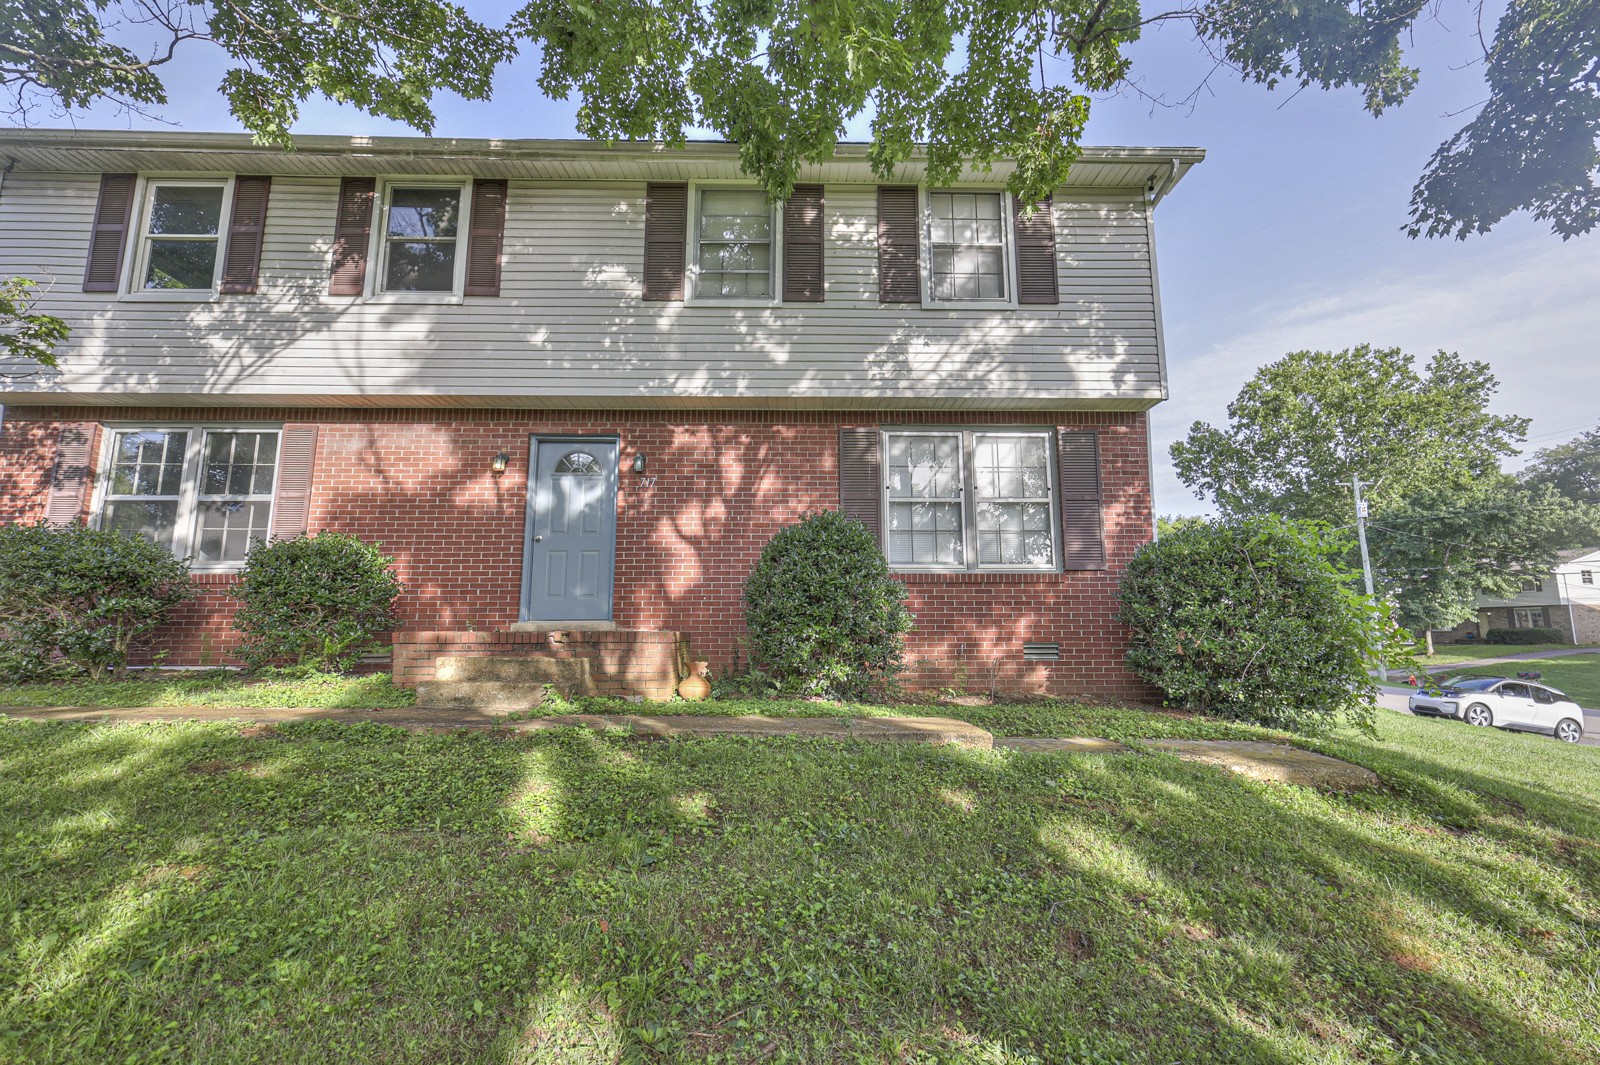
968, 305
436, 298
713, 301
170, 296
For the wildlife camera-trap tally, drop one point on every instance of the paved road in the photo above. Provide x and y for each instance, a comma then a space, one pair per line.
1393, 697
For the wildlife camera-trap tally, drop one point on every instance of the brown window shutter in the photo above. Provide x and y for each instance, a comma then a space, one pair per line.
1082, 534
69, 480
802, 245
899, 259
112, 216
1036, 253
247, 225
291, 507
351, 231
666, 226
485, 238
860, 477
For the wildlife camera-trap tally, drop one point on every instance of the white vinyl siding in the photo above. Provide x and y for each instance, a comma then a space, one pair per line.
202, 492
570, 329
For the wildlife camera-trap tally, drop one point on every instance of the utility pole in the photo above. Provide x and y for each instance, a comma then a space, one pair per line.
1366, 559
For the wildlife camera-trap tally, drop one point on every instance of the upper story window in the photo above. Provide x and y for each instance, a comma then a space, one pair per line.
970, 500
182, 228
1533, 586
966, 246
198, 491
420, 234
733, 244
1587, 576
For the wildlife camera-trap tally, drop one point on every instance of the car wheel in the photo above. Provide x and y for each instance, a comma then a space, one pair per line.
1478, 714
1569, 731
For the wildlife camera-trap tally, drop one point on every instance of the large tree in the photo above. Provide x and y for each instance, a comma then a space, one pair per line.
1445, 522
1572, 468
1304, 426
970, 80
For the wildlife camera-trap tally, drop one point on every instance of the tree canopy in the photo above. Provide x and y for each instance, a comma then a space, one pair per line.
781, 78
1445, 522
1303, 426
1571, 468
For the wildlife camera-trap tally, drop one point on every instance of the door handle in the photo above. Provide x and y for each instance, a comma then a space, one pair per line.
537, 539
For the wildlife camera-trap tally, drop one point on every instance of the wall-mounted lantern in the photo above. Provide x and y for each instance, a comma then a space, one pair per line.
638, 463
499, 463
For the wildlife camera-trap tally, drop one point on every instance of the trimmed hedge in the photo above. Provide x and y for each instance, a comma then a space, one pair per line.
317, 602
824, 615
1256, 620
79, 600
1525, 636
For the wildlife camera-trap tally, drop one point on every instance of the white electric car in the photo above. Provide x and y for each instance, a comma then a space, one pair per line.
1512, 704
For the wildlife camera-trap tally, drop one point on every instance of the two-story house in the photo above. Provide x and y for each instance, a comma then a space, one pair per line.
1568, 601
575, 388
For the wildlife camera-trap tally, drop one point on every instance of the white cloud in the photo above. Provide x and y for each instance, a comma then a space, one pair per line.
1529, 307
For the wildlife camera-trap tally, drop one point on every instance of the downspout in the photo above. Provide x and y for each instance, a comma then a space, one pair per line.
1572, 616
1152, 197
11, 164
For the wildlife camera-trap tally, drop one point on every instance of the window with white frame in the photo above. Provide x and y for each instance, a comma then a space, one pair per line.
1587, 576
198, 491
966, 245
968, 500
733, 244
421, 231
180, 236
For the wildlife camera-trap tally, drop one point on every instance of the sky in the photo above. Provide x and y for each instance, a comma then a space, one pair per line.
1287, 238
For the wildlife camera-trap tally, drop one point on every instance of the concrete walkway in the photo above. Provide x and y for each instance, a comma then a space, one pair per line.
1526, 656
1258, 761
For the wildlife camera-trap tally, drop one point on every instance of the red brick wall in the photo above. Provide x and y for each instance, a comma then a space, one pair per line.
725, 481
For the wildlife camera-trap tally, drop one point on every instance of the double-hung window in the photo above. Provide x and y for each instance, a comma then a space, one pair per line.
421, 231
201, 492
970, 500
966, 245
180, 235
733, 244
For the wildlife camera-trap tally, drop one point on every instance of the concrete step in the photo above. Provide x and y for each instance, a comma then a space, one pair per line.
488, 695
575, 675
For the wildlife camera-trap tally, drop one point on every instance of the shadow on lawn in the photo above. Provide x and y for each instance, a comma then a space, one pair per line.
323, 891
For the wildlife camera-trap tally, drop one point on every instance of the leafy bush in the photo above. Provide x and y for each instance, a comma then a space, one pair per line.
318, 602
824, 615
1525, 636
1255, 620
76, 599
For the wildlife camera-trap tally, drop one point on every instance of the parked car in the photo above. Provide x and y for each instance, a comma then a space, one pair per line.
1509, 704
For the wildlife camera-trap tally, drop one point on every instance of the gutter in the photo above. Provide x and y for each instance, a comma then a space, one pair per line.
1154, 192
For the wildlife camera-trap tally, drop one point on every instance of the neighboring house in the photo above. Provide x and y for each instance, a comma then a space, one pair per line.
397, 337
1568, 600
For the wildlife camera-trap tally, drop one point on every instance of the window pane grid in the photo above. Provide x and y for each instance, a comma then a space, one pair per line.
180, 236
211, 500
1007, 476
966, 242
735, 244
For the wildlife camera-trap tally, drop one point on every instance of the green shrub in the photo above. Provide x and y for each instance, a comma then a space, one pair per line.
823, 613
1257, 621
1525, 636
317, 602
75, 599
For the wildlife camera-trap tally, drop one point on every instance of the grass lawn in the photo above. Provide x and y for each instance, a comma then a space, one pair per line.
319, 892
1471, 652
219, 687
1578, 676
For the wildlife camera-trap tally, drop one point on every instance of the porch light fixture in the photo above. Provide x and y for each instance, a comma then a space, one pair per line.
638, 463
499, 463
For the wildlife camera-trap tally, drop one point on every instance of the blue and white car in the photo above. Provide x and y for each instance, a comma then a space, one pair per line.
1510, 704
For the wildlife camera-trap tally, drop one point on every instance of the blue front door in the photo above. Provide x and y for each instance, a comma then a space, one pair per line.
572, 529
